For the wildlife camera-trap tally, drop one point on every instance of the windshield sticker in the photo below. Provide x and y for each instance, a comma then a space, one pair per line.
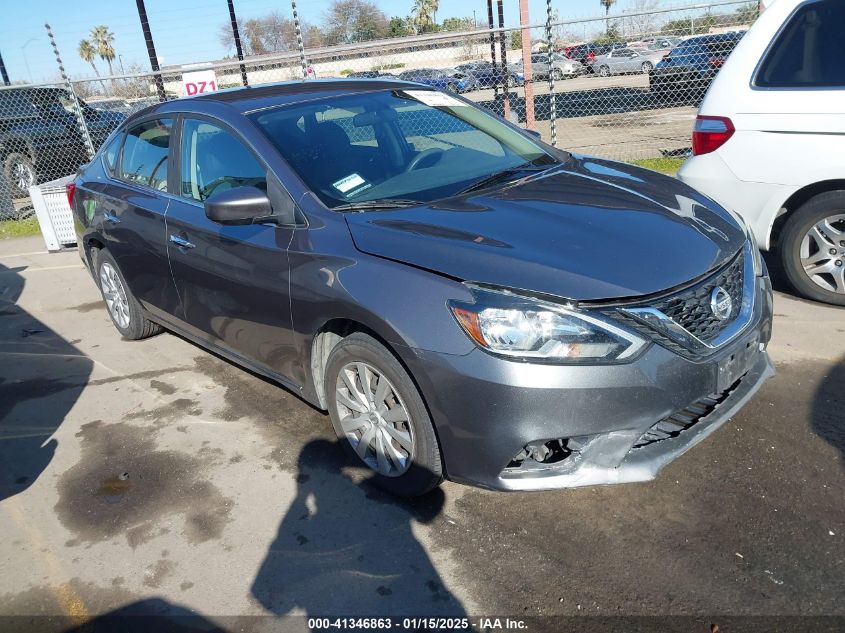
347, 184
434, 98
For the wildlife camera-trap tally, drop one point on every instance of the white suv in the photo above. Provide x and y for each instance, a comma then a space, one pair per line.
769, 141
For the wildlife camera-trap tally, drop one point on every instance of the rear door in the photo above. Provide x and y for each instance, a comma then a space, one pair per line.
232, 280
133, 207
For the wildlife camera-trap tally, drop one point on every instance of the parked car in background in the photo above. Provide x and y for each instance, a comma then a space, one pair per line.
468, 80
621, 61
686, 72
769, 141
586, 54
561, 67
40, 138
112, 105
428, 274
488, 75
438, 78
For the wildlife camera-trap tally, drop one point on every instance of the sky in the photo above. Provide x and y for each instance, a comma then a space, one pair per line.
186, 31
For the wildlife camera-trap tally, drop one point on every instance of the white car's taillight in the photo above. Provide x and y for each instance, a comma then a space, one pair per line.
710, 133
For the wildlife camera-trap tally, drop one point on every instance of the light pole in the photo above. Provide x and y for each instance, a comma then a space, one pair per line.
23, 53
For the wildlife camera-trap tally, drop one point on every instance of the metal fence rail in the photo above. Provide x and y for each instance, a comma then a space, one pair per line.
613, 96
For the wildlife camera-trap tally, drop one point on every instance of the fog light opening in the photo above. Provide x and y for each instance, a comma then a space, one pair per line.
541, 454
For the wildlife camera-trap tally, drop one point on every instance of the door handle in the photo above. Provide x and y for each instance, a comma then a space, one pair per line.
108, 216
181, 242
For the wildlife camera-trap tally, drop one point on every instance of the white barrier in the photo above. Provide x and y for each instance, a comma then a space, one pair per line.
55, 217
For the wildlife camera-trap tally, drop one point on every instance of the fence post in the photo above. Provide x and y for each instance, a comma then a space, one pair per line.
237, 35
493, 49
303, 62
506, 106
550, 50
77, 109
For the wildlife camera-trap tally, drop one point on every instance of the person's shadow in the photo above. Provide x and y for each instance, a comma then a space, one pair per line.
41, 377
829, 408
347, 549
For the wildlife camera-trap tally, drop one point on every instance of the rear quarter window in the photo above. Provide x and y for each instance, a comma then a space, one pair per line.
808, 52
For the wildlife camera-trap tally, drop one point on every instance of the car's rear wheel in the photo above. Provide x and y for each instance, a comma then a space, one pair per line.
812, 248
378, 414
647, 67
20, 173
451, 87
124, 309
604, 71
558, 74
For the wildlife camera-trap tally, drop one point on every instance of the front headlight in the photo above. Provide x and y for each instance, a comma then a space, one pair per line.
511, 325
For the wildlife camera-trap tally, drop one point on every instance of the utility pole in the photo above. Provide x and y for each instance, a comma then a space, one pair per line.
3, 72
527, 66
151, 49
237, 37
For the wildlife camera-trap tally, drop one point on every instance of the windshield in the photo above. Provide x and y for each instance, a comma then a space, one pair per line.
418, 145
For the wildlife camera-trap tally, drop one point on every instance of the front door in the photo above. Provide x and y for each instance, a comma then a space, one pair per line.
232, 280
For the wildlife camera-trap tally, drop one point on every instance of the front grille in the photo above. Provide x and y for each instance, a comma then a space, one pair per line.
690, 312
691, 308
683, 420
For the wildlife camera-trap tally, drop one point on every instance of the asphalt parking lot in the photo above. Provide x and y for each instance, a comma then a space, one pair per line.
157, 476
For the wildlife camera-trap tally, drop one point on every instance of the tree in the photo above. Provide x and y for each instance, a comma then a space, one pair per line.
645, 23
747, 13
457, 24
88, 52
425, 15
103, 39
350, 21
271, 33
607, 4
400, 27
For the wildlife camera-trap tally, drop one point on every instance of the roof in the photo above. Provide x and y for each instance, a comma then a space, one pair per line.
267, 95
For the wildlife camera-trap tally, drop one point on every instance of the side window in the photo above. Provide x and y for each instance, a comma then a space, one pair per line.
808, 51
145, 153
213, 160
111, 151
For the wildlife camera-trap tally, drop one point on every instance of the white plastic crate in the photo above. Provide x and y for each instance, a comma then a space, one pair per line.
54, 214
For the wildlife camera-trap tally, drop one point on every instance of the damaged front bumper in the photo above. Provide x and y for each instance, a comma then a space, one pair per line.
509, 425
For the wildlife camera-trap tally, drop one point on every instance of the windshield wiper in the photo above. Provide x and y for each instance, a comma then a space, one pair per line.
379, 203
506, 174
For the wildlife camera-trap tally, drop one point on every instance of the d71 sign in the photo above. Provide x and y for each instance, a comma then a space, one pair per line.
199, 82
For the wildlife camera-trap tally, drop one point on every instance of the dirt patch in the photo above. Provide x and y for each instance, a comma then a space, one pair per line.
163, 387
167, 413
55, 600
123, 484
92, 306
155, 574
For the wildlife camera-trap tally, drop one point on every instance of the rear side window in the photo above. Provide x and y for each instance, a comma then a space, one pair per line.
808, 51
145, 154
111, 152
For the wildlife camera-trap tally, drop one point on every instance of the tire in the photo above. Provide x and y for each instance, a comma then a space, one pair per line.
451, 87
557, 74
20, 173
120, 302
422, 469
647, 67
797, 239
604, 71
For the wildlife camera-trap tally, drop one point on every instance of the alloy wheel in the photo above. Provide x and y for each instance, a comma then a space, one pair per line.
22, 175
374, 419
822, 253
115, 295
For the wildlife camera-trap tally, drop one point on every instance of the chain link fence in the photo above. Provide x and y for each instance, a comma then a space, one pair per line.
624, 86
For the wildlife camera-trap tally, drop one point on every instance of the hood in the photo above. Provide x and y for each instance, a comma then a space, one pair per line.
588, 230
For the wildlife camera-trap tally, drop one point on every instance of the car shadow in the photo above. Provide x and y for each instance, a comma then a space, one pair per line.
41, 377
828, 404
346, 548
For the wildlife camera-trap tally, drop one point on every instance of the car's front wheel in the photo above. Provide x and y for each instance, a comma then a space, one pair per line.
124, 309
812, 248
647, 67
604, 71
379, 415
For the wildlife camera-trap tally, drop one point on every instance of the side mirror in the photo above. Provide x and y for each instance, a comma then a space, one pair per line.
533, 133
241, 205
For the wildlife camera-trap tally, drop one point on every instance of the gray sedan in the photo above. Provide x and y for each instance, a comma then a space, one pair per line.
626, 60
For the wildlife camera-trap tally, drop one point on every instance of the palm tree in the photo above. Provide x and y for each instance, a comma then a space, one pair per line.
103, 39
87, 52
425, 14
607, 4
